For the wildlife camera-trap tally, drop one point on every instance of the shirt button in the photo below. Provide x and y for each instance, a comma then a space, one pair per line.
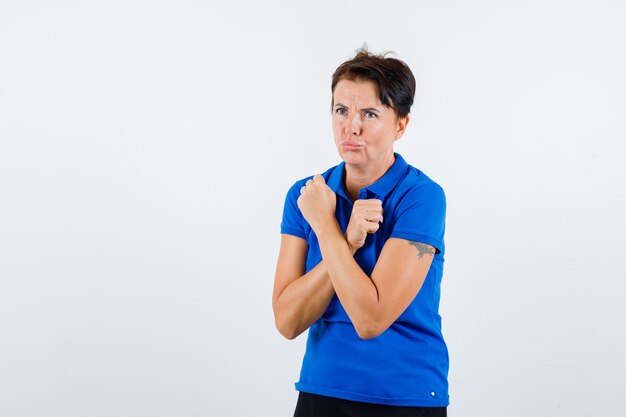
363, 195
432, 394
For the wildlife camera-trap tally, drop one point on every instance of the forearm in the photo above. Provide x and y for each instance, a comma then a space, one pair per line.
356, 291
303, 302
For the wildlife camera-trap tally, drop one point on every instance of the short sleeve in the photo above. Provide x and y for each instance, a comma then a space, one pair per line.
293, 221
421, 216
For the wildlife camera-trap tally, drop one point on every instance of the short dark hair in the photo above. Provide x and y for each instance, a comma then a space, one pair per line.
392, 77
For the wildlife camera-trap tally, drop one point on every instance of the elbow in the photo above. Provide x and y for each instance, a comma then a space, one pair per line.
289, 332
370, 330
286, 326
368, 334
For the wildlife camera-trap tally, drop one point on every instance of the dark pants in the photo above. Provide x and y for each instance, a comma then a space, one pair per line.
312, 405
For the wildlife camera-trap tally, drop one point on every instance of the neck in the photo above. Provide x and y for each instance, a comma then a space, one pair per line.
358, 177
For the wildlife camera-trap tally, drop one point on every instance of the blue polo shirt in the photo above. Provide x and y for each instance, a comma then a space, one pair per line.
407, 365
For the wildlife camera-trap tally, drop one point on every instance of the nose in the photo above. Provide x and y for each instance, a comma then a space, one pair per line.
353, 127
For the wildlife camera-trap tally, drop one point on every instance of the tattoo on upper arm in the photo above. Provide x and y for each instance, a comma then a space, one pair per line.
423, 249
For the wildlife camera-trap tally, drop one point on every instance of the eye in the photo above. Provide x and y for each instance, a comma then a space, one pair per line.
341, 111
370, 115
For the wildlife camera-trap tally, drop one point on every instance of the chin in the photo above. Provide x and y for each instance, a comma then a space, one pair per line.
352, 158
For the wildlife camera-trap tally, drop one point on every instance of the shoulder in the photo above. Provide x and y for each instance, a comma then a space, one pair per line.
419, 211
417, 187
295, 188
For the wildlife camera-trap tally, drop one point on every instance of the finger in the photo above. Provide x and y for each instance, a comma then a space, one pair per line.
319, 179
365, 215
369, 205
372, 216
369, 201
371, 211
375, 203
366, 224
372, 227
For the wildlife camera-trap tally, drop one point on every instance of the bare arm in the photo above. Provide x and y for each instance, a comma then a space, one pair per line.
372, 304
299, 299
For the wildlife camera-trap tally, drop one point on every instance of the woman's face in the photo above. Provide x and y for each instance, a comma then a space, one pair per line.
364, 128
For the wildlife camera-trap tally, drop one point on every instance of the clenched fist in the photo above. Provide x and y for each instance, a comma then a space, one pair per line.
365, 219
317, 203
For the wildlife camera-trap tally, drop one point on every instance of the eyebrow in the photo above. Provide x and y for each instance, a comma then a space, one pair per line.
372, 109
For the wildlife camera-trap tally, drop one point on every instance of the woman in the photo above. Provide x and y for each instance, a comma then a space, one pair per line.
361, 260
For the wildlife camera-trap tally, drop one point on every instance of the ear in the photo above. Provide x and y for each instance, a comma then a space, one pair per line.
401, 125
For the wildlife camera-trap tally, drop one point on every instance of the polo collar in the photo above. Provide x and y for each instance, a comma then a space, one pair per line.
380, 189
335, 181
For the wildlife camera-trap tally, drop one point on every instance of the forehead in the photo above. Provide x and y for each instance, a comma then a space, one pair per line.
362, 92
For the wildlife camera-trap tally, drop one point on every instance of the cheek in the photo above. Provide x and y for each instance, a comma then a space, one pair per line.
337, 129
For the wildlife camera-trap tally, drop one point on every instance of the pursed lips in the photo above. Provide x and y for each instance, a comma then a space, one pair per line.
351, 145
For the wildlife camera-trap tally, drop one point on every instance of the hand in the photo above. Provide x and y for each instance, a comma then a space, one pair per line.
317, 203
365, 219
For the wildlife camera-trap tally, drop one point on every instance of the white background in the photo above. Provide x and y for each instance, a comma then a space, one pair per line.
146, 149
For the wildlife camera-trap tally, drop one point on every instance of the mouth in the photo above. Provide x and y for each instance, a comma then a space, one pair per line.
350, 145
